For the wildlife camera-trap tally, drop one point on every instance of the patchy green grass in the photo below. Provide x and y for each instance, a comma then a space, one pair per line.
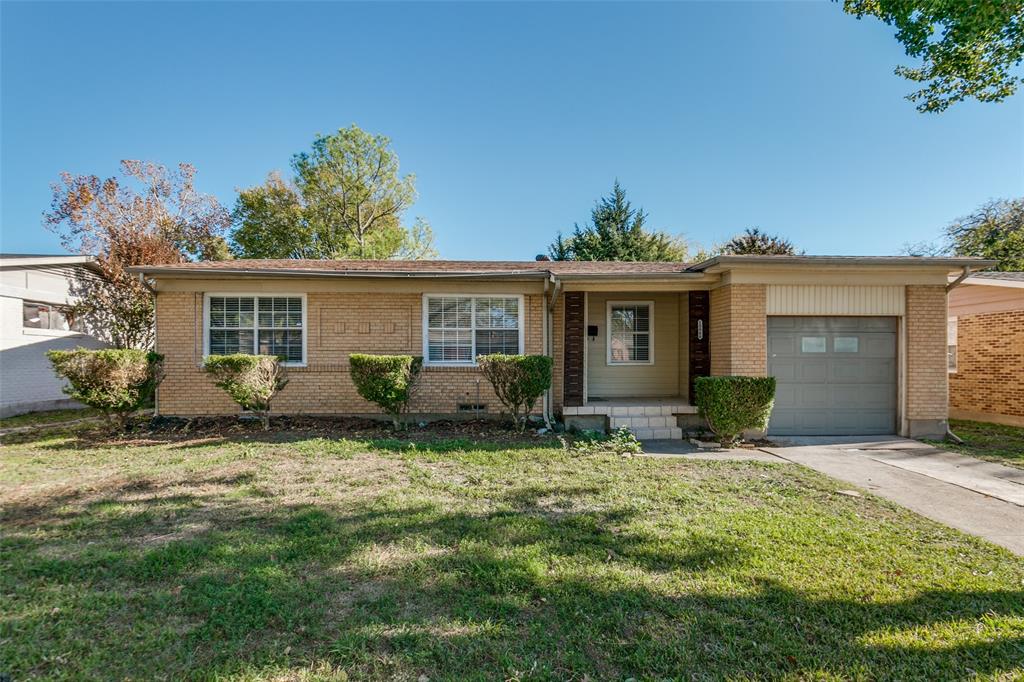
294, 558
994, 442
48, 417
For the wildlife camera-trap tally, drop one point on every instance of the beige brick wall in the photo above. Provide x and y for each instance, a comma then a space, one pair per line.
739, 330
337, 324
926, 374
989, 380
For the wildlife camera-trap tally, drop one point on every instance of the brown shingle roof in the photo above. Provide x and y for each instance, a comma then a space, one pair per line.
1001, 275
440, 267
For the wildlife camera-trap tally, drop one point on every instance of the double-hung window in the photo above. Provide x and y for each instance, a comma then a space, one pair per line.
458, 329
630, 326
265, 325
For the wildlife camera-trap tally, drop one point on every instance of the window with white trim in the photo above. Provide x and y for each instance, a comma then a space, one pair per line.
630, 325
458, 329
265, 325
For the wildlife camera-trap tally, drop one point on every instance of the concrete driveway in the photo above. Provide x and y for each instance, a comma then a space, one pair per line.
981, 498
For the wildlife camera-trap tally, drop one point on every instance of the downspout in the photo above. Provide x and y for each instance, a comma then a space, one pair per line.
546, 402
949, 287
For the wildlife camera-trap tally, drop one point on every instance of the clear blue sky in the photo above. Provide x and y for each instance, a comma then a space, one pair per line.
514, 117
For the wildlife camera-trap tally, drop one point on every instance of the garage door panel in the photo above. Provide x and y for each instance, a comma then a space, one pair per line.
878, 345
786, 396
813, 394
836, 375
809, 371
783, 344
785, 370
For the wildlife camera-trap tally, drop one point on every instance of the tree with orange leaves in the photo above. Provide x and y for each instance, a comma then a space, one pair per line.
149, 215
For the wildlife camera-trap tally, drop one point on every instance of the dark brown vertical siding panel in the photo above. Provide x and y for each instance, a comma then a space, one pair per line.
574, 322
700, 327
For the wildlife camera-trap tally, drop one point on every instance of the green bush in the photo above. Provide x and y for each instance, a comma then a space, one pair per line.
734, 404
518, 381
388, 381
252, 381
621, 441
116, 381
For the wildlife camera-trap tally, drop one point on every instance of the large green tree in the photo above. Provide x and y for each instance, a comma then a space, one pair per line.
616, 232
346, 200
967, 48
995, 230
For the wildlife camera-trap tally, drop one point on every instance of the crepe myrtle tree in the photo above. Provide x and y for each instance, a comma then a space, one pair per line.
252, 381
388, 381
518, 381
115, 381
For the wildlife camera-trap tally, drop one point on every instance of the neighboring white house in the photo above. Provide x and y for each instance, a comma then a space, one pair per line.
33, 289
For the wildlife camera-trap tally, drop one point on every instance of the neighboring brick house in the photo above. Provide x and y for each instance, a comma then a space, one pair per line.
34, 291
856, 343
986, 348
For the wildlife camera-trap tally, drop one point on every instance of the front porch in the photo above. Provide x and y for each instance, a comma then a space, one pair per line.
630, 359
646, 418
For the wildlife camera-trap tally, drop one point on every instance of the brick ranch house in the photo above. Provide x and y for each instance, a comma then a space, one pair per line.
986, 348
858, 344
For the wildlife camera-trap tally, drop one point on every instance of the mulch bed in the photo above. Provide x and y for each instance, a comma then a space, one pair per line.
289, 428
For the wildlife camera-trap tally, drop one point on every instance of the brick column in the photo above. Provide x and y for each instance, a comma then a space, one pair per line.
739, 330
926, 375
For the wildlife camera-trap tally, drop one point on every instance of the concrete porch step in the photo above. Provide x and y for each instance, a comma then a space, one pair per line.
648, 427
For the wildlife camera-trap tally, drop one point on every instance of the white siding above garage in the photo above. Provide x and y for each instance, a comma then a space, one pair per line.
812, 299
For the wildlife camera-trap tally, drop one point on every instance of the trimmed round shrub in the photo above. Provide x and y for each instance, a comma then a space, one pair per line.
252, 381
116, 381
518, 381
387, 381
734, 404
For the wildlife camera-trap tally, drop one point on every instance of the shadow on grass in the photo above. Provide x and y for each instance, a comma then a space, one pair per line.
411, 441
540, 585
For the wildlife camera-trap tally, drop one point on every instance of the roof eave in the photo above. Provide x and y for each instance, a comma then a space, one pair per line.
366, 274
724, 262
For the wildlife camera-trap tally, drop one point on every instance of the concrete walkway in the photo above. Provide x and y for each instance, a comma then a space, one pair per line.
981, 498
683, 448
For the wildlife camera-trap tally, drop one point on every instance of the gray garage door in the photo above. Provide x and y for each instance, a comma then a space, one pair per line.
836, 375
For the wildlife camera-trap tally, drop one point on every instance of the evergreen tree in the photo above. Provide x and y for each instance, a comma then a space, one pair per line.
616, 233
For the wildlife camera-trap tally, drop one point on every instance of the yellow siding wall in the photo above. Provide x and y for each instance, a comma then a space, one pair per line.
810, 299
662, 378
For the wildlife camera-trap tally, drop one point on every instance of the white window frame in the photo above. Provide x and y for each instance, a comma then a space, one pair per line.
470, 363
256, 307
608, 334
955, 321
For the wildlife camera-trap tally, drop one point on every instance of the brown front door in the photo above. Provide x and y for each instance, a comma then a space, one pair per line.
700, 355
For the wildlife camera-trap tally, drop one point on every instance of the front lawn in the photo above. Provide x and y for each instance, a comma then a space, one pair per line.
994, 442
48, 417
300, 557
